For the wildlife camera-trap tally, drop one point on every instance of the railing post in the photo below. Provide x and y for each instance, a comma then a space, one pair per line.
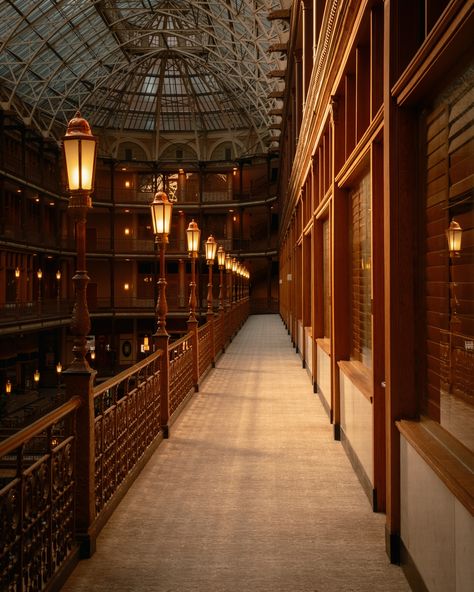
162, 342
80, 382
193, 329
212, 327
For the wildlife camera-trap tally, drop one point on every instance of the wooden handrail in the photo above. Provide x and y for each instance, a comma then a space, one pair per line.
132, 370
16, 440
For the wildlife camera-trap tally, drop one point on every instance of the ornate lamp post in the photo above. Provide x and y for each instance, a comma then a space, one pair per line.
211, 247
59, 369
39, 275
17, 288
58, 290
36, 378
193, 235
234, 279
80, 149
221, 264
228, 269
161, 209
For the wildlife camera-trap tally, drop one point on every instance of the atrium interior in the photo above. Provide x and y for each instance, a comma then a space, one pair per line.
311, 160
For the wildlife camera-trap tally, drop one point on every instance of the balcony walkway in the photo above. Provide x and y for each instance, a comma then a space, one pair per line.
250, 493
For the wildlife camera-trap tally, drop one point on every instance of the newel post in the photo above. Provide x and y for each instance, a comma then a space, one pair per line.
162, 342
81, 383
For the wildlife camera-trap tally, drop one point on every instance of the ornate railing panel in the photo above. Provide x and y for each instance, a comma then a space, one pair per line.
127, 421
180, 372
219, 336
37, 479
205, 347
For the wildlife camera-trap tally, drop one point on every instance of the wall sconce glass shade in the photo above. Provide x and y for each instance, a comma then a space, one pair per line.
454, 235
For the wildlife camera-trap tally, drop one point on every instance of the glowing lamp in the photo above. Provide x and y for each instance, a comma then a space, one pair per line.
211, 247
221, 257
161, 214
80, 148
193, 235
454, 235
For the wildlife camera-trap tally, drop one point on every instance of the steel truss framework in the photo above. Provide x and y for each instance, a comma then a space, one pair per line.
143, 65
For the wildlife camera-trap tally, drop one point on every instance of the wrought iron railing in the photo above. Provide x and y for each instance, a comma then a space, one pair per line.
62, 477
127, 420
205, 347
37, 484
181, 372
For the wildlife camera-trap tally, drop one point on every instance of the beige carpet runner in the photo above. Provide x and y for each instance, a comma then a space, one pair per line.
250, 493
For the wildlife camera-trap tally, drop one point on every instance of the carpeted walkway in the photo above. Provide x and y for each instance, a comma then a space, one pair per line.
250, 493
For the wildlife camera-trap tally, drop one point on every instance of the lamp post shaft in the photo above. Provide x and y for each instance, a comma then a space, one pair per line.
221, 287
192, 295
161, 304
209, 291
80, 324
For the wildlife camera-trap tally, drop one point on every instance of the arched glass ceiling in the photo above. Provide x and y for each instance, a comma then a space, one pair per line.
167, 65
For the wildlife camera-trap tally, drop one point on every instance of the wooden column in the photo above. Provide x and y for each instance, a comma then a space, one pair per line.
378, 326
400, 231
340, 273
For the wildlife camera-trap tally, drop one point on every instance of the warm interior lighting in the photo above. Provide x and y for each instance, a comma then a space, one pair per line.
37, 199
80, 148
58, 275
146, 344
193, 235
17, 272
126, 286
127, 184
454, 235
59, 367
39, 274
8, 387
234, 264
210, 247
228, 262
36, 376
221, 257
127, 231
161, 208
92, 354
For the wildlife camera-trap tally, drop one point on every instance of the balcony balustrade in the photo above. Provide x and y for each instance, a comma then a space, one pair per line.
62, 477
